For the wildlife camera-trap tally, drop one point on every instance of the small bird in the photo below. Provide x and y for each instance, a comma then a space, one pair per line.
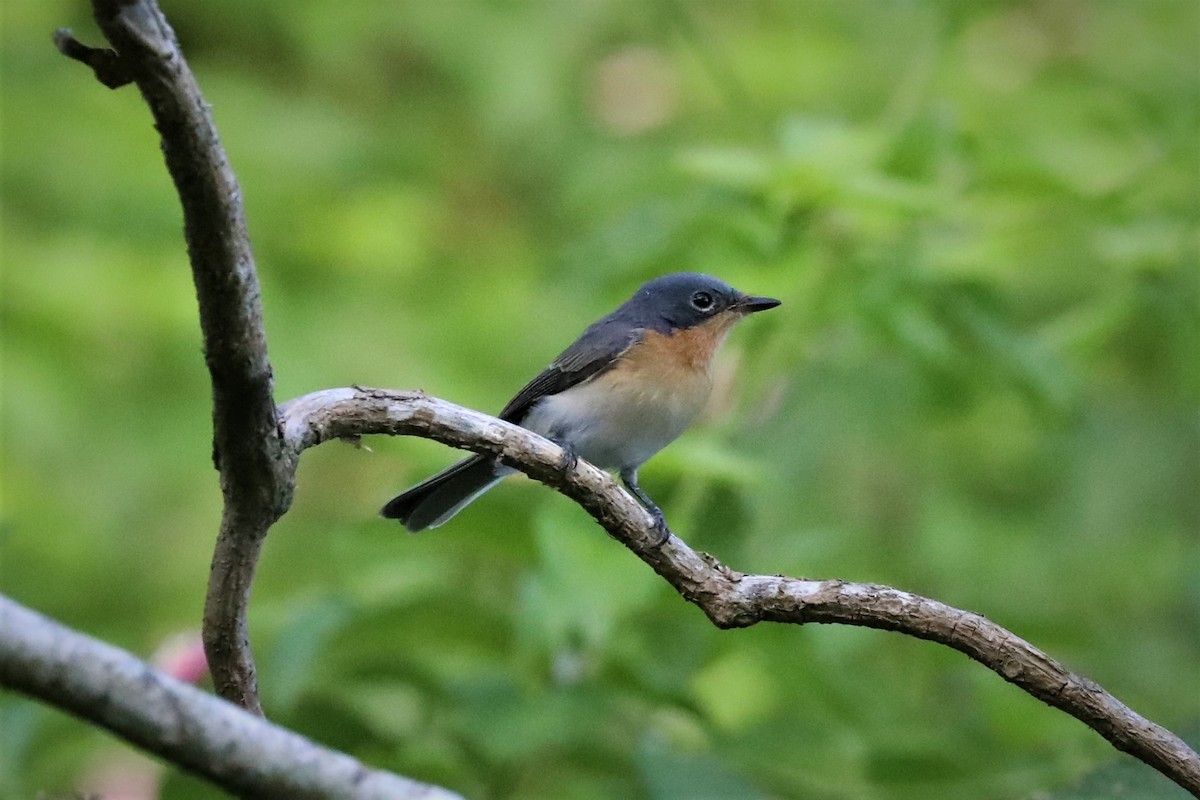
629, 386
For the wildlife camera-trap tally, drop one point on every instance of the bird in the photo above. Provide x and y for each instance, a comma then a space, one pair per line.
626, 388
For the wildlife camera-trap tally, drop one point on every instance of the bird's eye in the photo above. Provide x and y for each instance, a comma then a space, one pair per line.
702, 301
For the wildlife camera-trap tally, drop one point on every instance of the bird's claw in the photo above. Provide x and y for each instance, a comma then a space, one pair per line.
570, 459
660, 528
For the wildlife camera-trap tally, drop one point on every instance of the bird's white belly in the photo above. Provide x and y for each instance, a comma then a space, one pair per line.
618, 421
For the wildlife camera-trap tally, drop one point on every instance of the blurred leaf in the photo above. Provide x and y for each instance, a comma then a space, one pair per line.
19, 723
672, 774
736, 691
585, 583
391, 711
303, 640
1123, 779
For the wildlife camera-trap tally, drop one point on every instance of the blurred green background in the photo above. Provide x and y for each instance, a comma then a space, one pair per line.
983, 385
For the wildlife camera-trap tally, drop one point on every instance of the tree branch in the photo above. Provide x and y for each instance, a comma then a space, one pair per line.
257, 464
239, 752
732, 599
257, 480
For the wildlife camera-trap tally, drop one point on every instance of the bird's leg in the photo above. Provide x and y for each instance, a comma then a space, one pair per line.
629, 478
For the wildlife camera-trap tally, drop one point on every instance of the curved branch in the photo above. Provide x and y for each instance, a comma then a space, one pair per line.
257, 481
239, 752
732, 599
257, 465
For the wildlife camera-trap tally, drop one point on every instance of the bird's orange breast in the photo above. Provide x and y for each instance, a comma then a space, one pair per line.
653, 392
679, 354
670, 370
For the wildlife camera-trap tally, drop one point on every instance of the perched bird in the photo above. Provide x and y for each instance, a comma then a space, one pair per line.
628, 387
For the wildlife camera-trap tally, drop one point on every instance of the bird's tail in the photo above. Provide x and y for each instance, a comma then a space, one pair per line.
435, 500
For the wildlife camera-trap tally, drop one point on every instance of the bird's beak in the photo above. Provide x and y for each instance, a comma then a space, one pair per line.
749, 305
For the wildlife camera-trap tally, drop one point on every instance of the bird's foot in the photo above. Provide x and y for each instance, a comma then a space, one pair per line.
661, 531
629, 477
570, 459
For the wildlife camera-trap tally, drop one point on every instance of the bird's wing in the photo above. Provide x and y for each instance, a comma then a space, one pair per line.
591, 354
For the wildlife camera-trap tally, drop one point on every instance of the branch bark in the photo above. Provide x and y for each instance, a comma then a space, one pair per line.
256, 446
239, 752
730, 598
257, 480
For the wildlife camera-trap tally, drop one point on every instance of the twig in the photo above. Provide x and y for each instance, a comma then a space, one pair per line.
239, 752
732, 599
104, 62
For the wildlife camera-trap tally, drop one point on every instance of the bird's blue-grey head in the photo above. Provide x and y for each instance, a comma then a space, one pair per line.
684, 300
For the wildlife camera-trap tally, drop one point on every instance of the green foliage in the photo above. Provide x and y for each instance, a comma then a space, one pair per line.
983, 385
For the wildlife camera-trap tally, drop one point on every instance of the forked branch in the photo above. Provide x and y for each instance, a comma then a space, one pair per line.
256, 446
257, 480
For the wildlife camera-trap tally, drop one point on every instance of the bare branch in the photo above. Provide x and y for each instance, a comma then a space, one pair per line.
205, 735
257, 465
732, 599
257, 481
